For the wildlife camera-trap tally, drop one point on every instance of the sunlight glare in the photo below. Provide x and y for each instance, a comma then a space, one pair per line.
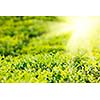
83, 30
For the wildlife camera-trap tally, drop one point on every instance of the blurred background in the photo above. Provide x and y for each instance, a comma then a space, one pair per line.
28, 34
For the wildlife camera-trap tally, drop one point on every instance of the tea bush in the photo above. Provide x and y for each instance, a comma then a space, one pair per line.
29, 54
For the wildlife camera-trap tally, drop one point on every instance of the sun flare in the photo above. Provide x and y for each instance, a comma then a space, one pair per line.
83, 29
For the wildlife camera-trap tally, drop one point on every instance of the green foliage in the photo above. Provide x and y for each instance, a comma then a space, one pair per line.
28, 54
